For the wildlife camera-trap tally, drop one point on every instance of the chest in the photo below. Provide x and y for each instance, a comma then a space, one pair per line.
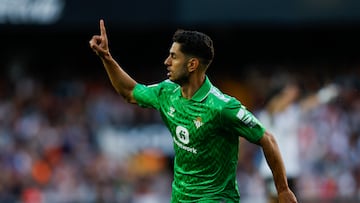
187, 119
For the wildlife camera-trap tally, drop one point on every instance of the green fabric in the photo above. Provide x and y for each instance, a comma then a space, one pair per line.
205, 131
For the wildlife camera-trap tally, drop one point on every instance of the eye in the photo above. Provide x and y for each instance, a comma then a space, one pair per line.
172, 55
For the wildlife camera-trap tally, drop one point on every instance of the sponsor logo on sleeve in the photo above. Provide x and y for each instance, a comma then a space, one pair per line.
247, 118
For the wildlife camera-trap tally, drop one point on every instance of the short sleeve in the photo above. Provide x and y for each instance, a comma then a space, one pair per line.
238, 120
147, 96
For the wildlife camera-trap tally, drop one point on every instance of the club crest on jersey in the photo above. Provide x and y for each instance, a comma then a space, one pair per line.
198, 122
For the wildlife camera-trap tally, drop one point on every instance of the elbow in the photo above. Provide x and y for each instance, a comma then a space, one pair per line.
130, 100
127, 96
125, 91
268, 139
271, 138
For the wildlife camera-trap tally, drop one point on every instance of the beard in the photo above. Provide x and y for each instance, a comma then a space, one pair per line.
180, 76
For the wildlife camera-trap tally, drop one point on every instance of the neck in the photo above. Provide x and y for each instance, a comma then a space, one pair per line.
188, 90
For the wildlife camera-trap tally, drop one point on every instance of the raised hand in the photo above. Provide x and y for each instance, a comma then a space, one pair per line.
99, 43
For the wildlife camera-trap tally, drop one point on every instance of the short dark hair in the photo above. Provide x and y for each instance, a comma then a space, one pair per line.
196, 44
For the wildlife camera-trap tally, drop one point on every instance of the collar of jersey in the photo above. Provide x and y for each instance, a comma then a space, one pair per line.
202, 92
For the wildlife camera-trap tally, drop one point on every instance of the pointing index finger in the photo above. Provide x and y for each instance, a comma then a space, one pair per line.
102, 28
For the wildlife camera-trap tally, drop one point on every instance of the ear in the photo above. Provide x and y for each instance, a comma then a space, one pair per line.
193, 64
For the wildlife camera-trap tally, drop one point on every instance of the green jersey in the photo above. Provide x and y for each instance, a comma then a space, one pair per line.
205, 131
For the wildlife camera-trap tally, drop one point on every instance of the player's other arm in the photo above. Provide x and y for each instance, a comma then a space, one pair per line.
276, 164
121, 81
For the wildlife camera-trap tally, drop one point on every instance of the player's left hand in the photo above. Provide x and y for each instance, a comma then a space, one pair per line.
287, 196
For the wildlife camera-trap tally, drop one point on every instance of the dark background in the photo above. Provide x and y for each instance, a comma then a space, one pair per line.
324, 34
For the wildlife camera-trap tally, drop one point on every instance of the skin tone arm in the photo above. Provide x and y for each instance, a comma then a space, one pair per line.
120, 80
274, 160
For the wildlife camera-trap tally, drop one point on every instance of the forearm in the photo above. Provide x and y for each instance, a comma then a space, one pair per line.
275, 162
120, 80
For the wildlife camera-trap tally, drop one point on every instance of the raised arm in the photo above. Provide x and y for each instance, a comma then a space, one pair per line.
275, 162
120, 80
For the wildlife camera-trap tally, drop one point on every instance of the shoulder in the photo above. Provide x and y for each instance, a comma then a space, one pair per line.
169, 84
163, 85
221, 99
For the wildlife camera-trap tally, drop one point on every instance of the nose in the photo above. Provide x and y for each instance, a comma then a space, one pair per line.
167, 61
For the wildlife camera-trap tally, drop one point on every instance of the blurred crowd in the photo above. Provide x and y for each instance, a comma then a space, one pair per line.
69, 141
49, 147
316, 121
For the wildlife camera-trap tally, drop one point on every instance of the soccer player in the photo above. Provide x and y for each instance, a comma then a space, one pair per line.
205, 124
